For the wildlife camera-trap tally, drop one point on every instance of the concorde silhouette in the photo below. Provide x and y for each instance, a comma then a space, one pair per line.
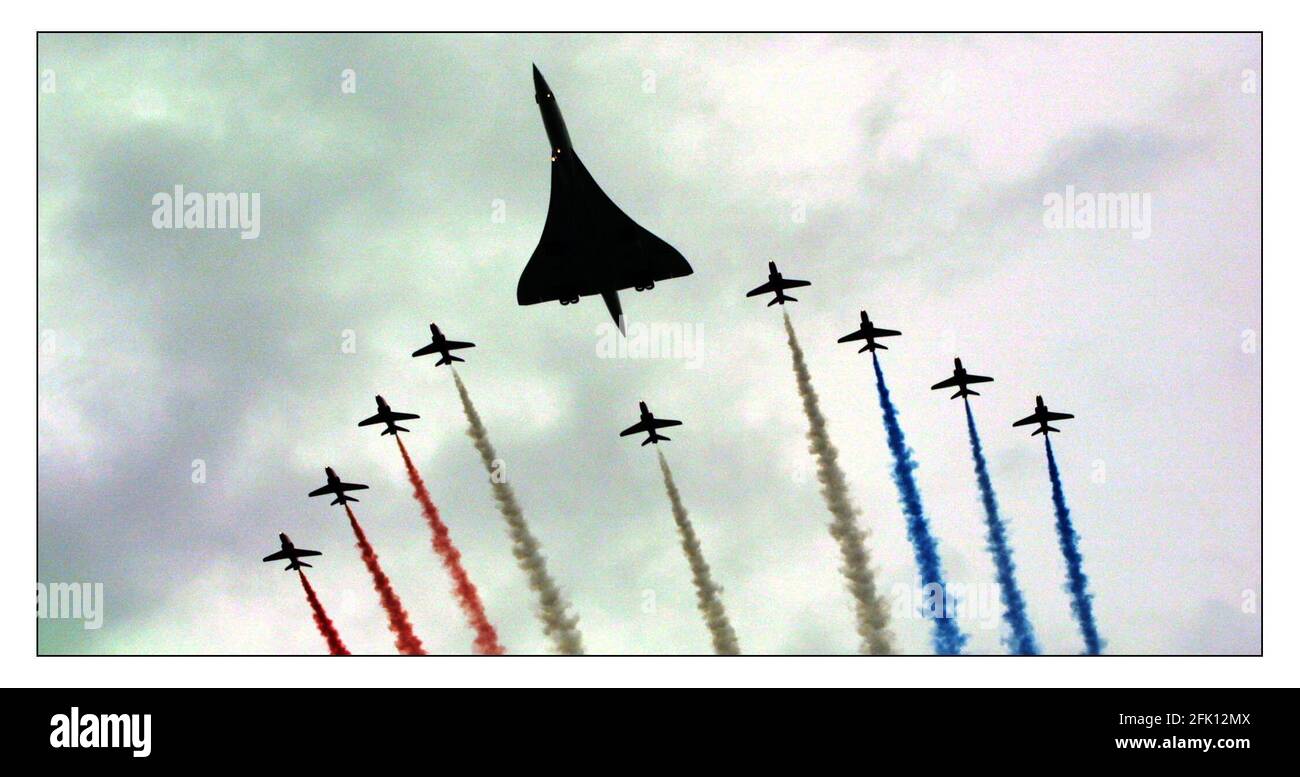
588, 245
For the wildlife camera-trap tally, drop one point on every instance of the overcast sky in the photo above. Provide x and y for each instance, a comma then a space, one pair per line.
902, 175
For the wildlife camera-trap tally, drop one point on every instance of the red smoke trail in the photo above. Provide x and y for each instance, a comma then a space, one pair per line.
323, 622
407, 643
485, 640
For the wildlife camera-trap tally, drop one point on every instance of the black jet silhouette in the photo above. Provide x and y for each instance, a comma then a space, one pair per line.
961, 378
588, 245
1041, 416
336, 487
869, 332
387, 416
649, 423
777, 283
442, 345
289, 552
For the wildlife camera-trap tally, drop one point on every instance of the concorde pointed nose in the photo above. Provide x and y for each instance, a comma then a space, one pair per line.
539, 84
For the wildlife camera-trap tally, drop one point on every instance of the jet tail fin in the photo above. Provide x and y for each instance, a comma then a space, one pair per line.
1044, 429
341, 498
615, 308
873, 347
964, 392
448, 359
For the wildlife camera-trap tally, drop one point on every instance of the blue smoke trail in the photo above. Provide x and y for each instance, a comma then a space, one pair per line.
1022, 633
948, 639
1081, 601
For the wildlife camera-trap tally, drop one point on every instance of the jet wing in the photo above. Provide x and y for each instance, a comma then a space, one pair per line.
403, 416
325, 489
552, 270
858, 335
589, 245
374, 419
640, 256
766, 288
290, 555
1057, 416
978, 379
426, 350
350, 487
790, 283
452, 345
1033, 419
949, 383
878, 332
636, 428
660, 423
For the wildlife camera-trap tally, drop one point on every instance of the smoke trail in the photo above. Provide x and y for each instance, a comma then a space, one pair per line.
873, 617
706, 591
561, 627
948, 639
1081, 600
485, 640
323, 622
1022, 633
398, 622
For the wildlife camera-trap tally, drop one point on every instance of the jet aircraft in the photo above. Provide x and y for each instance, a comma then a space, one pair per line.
440, 344
288, 552
387, 416
338, 488
649, 423
869, 332
961, 379
1042, 416
777, 283
588, 245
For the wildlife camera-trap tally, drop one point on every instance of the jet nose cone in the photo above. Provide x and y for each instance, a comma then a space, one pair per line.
539, 83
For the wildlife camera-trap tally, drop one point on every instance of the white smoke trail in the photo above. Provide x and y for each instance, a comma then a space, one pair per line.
707, 592
561, 627
873, 616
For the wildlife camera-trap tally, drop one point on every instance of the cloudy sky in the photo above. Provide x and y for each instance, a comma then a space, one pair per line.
902, 175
